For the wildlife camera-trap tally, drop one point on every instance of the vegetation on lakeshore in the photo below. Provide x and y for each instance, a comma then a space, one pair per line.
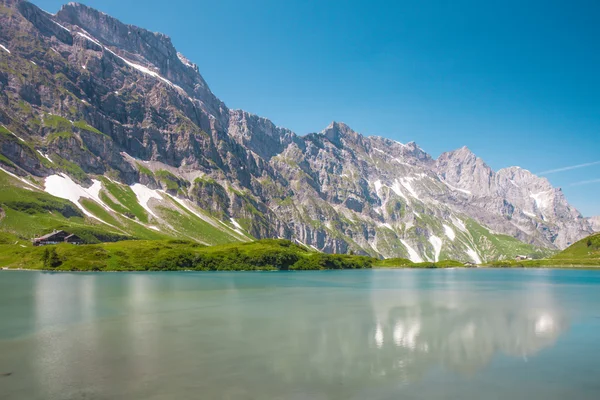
584, 253
405, 263
266, 255
174, 255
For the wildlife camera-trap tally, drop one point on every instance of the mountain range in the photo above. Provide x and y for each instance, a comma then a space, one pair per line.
108, 131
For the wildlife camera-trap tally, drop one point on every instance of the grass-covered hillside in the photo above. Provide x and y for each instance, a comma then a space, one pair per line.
173, 255
585, 253
585, 249
113, 213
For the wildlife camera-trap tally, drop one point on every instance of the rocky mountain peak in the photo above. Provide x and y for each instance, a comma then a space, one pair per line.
112, 31
463, 154
336, 131
462, 169
412, 149
523, 181
258, 134
141, 49
141, 44
340, 126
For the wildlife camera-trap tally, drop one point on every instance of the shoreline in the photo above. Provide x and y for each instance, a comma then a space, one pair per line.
263, 255
483, 267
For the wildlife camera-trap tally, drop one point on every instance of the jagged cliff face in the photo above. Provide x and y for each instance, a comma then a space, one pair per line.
526, 203
86, 93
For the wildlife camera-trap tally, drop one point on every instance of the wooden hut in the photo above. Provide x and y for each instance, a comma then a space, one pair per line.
57, 237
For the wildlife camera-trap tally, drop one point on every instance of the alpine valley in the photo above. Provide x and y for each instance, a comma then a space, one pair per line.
107, 131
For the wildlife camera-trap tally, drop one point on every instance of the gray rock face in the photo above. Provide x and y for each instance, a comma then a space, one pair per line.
463, 170
526, 199
335, 190
595, 223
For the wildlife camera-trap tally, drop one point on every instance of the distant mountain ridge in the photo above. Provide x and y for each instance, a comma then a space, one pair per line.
86, 95
595, 223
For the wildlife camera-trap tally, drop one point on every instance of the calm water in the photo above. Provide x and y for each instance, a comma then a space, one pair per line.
469, 334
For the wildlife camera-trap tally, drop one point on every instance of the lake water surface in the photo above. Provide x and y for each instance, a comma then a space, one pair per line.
380, 334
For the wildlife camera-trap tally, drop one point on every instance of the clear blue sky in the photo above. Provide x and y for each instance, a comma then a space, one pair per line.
517, 81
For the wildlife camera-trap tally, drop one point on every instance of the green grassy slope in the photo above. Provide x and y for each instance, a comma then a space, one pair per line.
27, 212
585, 249
497, 246
165, 255
122, 200
584, 253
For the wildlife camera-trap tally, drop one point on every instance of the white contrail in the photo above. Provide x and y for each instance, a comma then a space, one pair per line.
585, 182
551, 171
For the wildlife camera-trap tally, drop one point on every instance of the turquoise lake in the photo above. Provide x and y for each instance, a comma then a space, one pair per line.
366, 334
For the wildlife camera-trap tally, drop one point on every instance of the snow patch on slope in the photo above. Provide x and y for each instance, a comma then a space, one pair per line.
449, 232
64, 187
60, 26
5, 49
406, 182
455, 188
12, 133
378, 187
236, 224
185, 205
374, 246
44, 155
149, 72
238, 228
474, 256
144, 194
436, 242
541, 199
184, 60
396, 187
213, 222
387, 225
412, 254
459, 224
90, 39
140, 68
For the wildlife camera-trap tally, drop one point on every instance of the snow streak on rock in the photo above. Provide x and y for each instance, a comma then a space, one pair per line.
412, 254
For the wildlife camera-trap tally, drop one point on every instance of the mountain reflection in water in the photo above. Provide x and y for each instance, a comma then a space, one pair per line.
462, 336
267, 335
